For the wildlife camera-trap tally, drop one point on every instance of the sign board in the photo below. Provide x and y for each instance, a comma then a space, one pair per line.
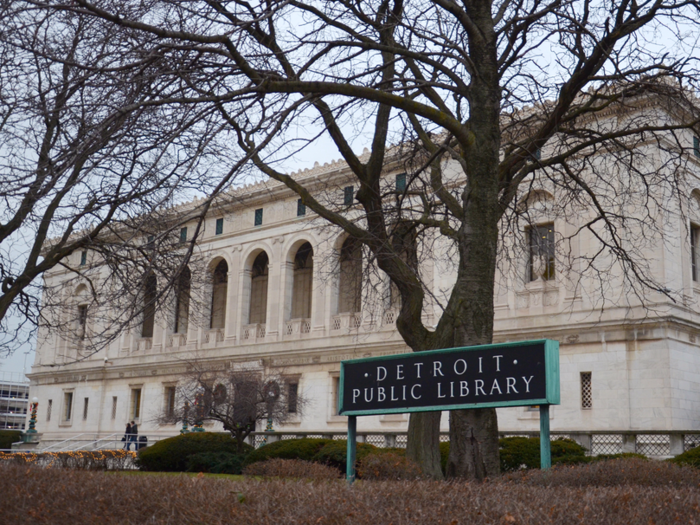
501, 375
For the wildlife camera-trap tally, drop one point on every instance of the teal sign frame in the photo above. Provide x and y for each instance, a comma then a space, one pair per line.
506, 362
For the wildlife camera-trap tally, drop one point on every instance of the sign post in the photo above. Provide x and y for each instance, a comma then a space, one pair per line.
502, 375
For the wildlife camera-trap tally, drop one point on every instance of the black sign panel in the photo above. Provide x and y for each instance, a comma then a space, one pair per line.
490, 375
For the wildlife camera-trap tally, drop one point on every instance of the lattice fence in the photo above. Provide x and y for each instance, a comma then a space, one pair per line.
653, 445
375, 439
401, 440
607, 444
691, 441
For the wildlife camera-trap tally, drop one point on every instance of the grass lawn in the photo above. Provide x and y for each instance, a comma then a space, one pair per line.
232, 477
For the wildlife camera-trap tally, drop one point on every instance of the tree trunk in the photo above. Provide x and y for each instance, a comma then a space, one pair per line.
424, 442
473, 444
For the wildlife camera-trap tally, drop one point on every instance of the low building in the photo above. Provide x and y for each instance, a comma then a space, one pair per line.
14, 401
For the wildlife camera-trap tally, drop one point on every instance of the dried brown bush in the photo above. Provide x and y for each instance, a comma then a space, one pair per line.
75, 459
291, 468
612, 473
388, 466
58, 496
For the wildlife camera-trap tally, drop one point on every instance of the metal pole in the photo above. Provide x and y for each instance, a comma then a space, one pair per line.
352, 449
545, 446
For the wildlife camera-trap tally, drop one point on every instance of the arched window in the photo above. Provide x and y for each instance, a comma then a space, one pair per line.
182, 301
350, 285
258, 290
301, 289
218, 296
149, 305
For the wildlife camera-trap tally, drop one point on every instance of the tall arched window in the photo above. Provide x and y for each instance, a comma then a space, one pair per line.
182, 301
150, 287
301, 289
218, 296
258, 290
350, 285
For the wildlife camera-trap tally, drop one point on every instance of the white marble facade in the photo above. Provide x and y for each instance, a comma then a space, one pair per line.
642, 364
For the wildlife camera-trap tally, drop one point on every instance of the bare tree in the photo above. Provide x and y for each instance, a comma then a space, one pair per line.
239, 399
514, 94
91, 165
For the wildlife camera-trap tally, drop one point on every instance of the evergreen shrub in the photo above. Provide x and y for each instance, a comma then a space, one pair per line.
304, 449
690, 458
335, 453
172, 454
7, 437
215, 462
524, 453
624, 455
518, 453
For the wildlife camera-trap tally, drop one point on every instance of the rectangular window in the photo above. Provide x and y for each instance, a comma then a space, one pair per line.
258, 216
219, 226
49, 406
538, 154
150, 242
301, 208
694, 245
401, 182
586, 391
170, 401
183, 235
292, 391
114, 407
83, 258
336, 393
348, 195
696, 146
85, 408
67, 406
541, 256
135, 403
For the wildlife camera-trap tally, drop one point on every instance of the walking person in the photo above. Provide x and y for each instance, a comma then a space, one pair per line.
134, 434
127, 436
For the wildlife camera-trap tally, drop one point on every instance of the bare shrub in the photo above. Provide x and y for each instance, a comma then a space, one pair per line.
389, 466
291, 468
612, 473
59, 496
75, 459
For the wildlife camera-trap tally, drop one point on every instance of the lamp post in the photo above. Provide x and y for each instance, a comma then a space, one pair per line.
198, 408
186, 411
272, 394
32, 419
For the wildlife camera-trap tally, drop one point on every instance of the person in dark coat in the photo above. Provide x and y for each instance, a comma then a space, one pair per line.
134, 434
127, 436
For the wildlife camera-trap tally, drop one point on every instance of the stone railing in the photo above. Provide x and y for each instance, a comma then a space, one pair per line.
251, 333
297, 328
652, 443
346, 322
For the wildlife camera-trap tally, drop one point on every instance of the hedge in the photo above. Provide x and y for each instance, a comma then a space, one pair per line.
515, 452
7, 437
304, 449
524, 453
215, 462
690, 458
172, 454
